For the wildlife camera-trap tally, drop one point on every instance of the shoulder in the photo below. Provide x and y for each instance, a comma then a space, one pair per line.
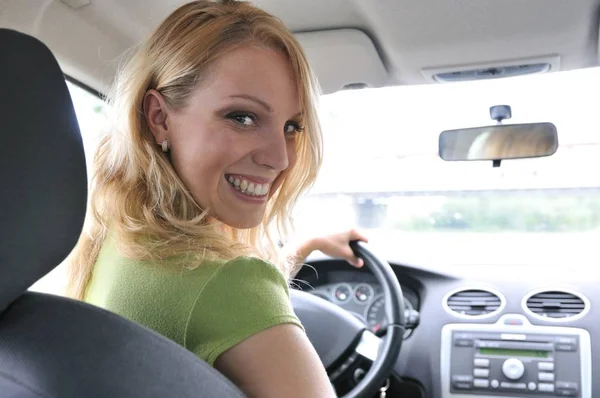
242, 297
246, 269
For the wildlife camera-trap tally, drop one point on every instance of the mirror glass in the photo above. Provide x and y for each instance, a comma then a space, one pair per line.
503, 141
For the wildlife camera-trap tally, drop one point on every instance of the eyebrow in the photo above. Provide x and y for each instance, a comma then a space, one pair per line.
260, 102
253, 99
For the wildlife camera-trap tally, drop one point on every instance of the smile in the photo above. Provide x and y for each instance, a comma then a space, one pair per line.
248, 187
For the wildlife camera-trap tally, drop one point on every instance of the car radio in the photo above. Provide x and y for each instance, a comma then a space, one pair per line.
513, 358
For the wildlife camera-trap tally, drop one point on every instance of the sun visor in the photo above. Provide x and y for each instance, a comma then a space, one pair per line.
343, 58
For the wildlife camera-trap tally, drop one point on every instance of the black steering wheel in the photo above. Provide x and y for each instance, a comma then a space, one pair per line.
340, 338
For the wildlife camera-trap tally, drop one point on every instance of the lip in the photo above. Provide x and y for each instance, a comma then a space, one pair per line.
247, 198
255, 179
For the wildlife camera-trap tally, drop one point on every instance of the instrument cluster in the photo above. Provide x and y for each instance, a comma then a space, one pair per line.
366, 302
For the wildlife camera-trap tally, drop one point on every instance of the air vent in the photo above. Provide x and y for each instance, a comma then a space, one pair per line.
556, 304
474, 302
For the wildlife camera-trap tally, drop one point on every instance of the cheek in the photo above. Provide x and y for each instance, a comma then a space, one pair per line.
292, 154
292, 159
199, 158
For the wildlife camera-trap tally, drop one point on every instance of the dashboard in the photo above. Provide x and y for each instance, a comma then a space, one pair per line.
365, 301
489, 331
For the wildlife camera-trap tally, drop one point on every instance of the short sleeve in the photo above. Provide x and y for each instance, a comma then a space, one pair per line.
242, 297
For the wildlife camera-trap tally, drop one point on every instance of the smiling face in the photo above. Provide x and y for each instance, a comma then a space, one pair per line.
234, 141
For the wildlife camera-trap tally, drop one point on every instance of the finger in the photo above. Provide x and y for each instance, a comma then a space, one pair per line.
358, 263
356, 235
355, 262
352, 259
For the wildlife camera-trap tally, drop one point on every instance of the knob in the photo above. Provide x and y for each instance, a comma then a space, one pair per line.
513, 368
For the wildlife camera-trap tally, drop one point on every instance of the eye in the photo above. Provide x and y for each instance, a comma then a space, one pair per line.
292, 128
243, 118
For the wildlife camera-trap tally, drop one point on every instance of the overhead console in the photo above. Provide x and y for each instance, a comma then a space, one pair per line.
513, 358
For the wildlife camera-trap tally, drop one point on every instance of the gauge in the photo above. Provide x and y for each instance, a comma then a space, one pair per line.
375, 314
342, 292
363, 293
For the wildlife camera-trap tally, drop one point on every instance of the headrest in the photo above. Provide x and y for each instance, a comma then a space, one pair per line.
42, 165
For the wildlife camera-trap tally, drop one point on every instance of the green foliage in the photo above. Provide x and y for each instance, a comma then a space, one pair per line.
525, 213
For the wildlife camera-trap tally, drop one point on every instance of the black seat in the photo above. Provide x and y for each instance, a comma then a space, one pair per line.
52, 346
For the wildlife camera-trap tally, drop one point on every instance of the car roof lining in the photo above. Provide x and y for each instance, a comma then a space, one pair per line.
378, 42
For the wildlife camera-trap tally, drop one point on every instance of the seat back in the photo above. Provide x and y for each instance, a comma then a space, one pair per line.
52, 346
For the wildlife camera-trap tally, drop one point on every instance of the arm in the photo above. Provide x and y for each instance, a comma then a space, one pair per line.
335, 245
244, 325
277, 362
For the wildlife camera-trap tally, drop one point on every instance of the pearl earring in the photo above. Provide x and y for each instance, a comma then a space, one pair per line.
165, 145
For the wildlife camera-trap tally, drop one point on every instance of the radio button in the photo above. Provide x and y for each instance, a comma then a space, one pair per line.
481, 383
531, 386
513, 368
546, 387
566, 389
463, 382
565, 347
513, 386
463, 342
567, 385
547, 366
481, 372
566, 393
546, 376
463, 378
481, 362
495, 383
462, 386
566, 340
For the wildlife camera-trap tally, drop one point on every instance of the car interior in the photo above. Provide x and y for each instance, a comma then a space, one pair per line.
480, 276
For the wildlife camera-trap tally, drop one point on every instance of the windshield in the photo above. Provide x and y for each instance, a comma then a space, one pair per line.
382, 173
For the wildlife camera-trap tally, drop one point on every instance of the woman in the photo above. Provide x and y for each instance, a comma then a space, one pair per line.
215, 137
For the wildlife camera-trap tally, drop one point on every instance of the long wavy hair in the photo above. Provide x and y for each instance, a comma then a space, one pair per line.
135, 192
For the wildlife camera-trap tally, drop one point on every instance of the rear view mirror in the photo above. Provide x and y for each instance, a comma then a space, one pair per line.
502, 141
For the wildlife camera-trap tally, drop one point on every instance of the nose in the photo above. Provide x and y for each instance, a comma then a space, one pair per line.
273, 151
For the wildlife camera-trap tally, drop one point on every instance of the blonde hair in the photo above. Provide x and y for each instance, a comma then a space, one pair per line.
136, 193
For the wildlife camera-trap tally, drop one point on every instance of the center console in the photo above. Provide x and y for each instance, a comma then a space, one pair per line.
513, 358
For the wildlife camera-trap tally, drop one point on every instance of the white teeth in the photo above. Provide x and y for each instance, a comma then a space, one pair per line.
249, 188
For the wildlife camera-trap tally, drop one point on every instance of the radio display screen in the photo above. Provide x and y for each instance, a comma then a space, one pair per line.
514, 353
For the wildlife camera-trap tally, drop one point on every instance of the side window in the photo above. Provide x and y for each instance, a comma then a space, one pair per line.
89, 109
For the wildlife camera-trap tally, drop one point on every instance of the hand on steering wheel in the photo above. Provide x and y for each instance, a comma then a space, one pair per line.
339, 337
334, 245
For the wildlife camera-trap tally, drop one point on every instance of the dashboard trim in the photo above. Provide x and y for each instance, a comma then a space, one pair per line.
473, 317
526, 327
583, 313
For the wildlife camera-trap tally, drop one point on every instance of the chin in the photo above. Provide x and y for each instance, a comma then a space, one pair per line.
242, 223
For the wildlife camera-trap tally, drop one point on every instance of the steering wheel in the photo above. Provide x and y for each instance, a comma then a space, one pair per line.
340, 338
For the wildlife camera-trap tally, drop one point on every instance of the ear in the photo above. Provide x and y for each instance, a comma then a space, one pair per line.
155, 112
